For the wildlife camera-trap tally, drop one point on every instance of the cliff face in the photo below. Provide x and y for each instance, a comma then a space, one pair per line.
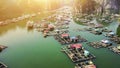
113, 6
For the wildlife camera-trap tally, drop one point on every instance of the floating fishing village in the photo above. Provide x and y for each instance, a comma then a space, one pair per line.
64, 37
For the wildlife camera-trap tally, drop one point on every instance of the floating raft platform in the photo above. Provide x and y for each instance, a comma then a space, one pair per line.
101, 44
106, 30
95, 44
115, 39
96, 32
77, 54
86, 64
54, 33
115, 49
61, 40
67, 40
2, 65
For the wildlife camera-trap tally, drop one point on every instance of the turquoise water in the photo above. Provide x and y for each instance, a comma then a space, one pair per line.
28, 49
31, 50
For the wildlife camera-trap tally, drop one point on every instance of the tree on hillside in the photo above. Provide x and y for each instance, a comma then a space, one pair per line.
101, 6
85, 6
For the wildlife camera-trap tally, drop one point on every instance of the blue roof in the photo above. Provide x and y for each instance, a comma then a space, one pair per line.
86, 53
112, 33
73, 37
106, 41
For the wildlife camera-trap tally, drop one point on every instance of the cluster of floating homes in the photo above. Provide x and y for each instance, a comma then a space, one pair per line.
100, 44
87, 19
29, 24
49, 28
115, 49
94, 30
65, 38
43, 26
59, 30
14, 20
111, 38
98, 29
20, 18
115, 39
73, 47
2, 65
79, 55
108, 18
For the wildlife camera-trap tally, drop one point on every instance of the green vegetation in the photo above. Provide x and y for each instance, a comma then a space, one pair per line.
85, 6
118, 31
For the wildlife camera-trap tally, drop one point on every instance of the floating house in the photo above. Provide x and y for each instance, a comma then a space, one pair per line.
110, 34
103, 43
106, 41
77, 53
51, 27
76, 46
44, 25
74, 39
115, 49
86, 53
90, 66
30, 24
96, 31
65, 36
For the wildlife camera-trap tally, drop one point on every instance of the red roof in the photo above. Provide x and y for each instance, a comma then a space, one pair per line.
90, 66
65, 35
76, 45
